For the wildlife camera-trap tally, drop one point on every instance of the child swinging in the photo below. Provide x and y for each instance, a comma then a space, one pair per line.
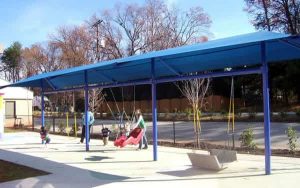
44, 136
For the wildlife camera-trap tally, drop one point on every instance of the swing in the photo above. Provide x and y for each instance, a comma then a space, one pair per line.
217, 158
227, 155
134, 138
135, 135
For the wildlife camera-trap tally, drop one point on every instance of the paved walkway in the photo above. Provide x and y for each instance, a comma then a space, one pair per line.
71, 166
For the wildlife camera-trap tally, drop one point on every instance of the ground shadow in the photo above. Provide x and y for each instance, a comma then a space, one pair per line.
96, 158
61, 175
125, 162
192, 171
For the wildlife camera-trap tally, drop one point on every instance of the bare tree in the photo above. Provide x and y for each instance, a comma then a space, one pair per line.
75, 44
40, 59
195, 91
95, 99
278, 15
110, 37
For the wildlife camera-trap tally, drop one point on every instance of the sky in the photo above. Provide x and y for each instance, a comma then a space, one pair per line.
32, 21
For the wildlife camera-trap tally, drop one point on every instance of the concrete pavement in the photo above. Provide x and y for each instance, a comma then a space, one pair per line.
71, 166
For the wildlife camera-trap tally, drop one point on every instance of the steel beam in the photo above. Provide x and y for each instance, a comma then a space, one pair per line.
42, 105
266, 98
154, 110
86, 109
168, 79
212, 75
169, 67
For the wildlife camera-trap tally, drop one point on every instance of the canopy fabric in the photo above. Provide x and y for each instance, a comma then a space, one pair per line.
237, 51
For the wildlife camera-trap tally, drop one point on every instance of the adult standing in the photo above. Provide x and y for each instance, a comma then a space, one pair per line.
91, 120
141, 124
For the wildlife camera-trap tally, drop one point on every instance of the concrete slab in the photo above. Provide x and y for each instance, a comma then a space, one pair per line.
108, 166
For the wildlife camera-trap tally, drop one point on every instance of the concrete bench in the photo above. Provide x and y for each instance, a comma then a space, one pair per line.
208, 162
224, 156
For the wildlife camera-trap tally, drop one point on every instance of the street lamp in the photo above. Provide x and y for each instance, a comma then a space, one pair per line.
96, 24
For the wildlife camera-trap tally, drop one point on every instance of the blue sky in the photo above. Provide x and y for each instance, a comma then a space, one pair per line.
31, 21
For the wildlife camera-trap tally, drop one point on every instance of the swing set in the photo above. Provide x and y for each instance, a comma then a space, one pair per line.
134, 136
218, 157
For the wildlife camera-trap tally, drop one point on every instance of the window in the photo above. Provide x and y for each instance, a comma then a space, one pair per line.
10, 109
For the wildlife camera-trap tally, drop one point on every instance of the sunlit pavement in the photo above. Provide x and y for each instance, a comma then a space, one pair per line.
71, 166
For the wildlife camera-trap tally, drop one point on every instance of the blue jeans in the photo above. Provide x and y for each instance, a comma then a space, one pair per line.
143, 140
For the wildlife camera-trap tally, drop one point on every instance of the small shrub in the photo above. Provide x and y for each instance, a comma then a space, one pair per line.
298, 112
252, 115
239, 114
283, 114
247, 139
72, 131
188, 111
48, 126
61, 128
224, 113
292, 136
114, 130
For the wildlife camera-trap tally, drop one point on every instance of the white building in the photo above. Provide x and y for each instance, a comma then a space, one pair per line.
17, 105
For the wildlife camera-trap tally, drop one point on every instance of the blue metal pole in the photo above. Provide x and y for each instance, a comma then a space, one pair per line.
86, 109
42, 105
265, 76
154, 111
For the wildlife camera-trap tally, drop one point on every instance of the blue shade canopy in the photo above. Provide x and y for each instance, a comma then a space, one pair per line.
237, 51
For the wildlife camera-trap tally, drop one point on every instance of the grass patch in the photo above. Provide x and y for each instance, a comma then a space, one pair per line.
10, 171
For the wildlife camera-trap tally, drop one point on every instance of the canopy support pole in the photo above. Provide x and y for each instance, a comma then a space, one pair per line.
42, 105
266, 98
86, 109
154, 110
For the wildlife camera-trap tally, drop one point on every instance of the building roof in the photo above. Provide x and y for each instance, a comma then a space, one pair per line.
15, 92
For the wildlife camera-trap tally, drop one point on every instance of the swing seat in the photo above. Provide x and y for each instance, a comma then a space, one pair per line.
133, 138
224, 156
207, 162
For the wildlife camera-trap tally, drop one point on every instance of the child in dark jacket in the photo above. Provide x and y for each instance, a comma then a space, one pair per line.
105, 135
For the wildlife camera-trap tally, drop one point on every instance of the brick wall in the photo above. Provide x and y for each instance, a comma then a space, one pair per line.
213, 103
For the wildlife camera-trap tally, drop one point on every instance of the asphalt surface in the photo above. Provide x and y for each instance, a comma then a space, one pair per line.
212, 132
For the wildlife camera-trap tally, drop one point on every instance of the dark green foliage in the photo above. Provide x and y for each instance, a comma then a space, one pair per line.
283, 114
252, 115
298, 112
292, 136
247, 139
11, 60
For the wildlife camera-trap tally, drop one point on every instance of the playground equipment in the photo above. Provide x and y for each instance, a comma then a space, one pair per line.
203, 161
136, 134
134, 138
228, 154
217, 158
231, 116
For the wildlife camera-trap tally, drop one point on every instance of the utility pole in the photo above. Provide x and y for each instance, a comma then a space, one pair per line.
96, 24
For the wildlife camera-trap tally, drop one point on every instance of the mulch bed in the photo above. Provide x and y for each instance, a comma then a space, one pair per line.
10, 171
207, 146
